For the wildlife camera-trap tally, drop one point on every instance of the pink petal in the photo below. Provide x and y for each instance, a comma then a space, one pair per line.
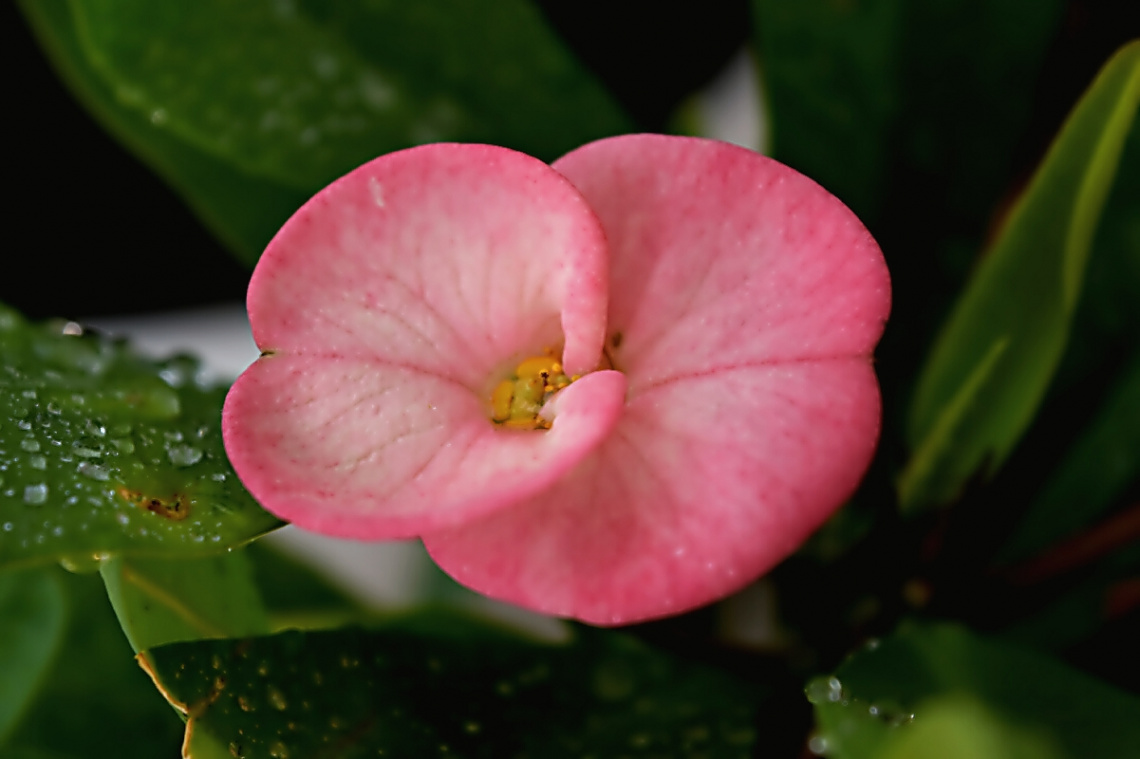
748, 301
721, 257
703, 486
388, 307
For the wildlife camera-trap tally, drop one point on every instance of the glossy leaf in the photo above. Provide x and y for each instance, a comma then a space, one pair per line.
32, 621
1024, 292
940, 691
103, 452
249, 110
162, 601
244, 211
1097, 384
304, 91
95, 702
436, 685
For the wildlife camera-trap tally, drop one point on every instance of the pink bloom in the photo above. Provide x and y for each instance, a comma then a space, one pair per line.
720, 309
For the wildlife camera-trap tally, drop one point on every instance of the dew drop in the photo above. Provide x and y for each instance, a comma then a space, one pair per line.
8, 527
31, 445
124, 446
37, 462
818, 745
278, 751
817, 690
183, 455
277, 699
472, 727
93, 471
87, 453
36, 494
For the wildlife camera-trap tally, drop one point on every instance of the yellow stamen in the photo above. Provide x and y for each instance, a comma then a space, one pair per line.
517, 402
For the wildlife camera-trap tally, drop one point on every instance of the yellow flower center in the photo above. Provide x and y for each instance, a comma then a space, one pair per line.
517, 402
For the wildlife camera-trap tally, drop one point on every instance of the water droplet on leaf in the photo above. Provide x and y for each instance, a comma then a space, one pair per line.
183, 455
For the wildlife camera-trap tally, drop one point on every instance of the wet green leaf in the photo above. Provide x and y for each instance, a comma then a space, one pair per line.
31, 626
103, 452
442, 685
244, 211
1025, 293
95, 702
162, 601
940, 691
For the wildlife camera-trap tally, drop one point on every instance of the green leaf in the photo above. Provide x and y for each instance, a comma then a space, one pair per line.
103, 452
441, 685
1101, 465
304, 91
31, 626
862, 94
249, 109
296, 595
95, 702
940, 691
162, 601
829, 74
244, 211
1025, 292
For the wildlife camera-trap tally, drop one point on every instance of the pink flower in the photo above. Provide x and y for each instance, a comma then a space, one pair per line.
714, 314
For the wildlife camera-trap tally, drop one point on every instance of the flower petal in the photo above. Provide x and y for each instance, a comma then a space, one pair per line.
454, 259
745, 303
704, 485
721, 257
384, 309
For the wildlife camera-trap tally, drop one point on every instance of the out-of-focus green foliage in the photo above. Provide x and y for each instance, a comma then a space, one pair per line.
32, 620
868, 97
993, 361
940, 691
249, 108
94, 701
162, 601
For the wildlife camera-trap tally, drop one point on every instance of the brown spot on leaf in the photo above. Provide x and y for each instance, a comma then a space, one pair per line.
173, 508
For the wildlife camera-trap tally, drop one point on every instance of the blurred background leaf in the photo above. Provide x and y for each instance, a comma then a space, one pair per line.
95, 702
161, 601
104, 452
32, 620
941, 691
972, 404
249, 110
